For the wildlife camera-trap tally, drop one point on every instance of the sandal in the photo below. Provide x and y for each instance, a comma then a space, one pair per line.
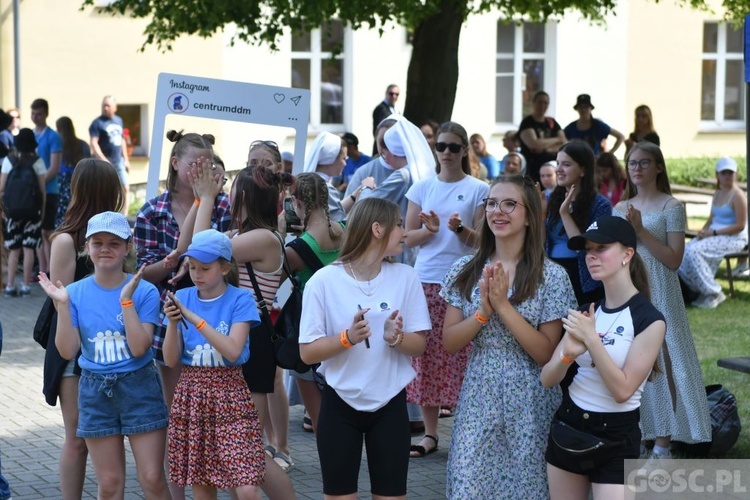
445, 412
270, 451
307, 425
419, 451
283, 460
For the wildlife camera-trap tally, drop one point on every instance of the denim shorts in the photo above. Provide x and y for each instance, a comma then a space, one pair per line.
120, 403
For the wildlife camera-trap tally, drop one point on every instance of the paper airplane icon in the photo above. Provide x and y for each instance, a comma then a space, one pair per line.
296, 99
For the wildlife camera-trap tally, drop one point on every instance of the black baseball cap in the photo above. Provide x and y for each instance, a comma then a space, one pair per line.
607, 229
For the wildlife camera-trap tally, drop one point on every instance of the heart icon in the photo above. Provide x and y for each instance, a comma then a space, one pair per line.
279, 98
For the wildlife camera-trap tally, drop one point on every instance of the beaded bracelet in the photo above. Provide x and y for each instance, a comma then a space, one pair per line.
344, 337
126, 303
197, 202
399, 339
481, 318
200, 325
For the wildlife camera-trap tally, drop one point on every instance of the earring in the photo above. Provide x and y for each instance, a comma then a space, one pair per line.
624, 262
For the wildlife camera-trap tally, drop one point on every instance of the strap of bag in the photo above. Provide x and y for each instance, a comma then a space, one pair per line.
306, 254
259, 297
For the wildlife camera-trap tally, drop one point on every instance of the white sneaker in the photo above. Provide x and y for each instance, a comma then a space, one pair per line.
742, 269
712, 301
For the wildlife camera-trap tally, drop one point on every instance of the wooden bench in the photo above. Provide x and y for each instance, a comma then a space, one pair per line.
739, 364
712, 182
679, 188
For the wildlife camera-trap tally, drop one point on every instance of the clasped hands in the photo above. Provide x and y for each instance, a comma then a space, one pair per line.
493, 289
580, 327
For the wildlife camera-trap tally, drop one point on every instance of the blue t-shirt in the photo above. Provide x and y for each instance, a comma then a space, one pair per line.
97, 314
7, 138
109, 132
48, 142
233, 306
593, 136
492, 166
352, 166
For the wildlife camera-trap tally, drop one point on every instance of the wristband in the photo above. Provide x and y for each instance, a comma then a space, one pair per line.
482, 320
352, 197
566, 359
344, 337
399, 339
126, 303
459, 229
200, 325
430, 230
197, 202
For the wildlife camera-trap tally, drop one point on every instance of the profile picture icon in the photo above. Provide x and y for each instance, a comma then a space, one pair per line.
178, 103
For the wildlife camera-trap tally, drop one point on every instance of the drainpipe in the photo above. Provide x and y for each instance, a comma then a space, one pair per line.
17, 52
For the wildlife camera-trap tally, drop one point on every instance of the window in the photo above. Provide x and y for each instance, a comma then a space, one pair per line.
318, 65
523, 63
723, 82
133, 117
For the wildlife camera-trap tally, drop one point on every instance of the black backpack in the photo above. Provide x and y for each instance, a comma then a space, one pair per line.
725, 426
23, 197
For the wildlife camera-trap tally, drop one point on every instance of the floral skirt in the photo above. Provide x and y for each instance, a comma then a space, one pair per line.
214, 433
439, 374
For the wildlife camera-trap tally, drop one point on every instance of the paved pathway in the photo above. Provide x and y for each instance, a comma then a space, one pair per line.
31, 433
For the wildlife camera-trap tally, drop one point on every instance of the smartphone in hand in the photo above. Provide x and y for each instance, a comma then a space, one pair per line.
290, 216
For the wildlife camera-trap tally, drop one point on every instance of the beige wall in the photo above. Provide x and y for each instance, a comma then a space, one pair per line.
648, 53
665, 43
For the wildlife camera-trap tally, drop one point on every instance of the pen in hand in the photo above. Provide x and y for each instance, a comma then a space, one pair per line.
367, 340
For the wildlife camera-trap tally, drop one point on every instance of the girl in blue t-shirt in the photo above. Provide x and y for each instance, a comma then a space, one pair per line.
207, 452
110, 316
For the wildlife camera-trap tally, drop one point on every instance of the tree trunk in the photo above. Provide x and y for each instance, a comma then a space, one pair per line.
433, 69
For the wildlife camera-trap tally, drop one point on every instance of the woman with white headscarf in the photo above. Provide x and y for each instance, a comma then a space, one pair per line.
327, 158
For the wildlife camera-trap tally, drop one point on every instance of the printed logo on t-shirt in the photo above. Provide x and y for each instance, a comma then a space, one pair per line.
109, 347
385, 306
205, 355
460, 197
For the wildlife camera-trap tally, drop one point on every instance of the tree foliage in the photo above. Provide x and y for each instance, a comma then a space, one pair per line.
433, 71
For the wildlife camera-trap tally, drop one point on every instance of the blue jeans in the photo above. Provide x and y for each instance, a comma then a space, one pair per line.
4, 486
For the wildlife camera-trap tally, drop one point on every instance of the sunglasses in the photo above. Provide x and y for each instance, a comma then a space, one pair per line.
450, 146
393, 94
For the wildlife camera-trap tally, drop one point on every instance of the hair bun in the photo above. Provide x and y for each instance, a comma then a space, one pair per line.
174, 136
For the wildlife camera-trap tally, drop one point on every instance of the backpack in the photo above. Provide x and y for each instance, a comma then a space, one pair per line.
725, 426
23, 197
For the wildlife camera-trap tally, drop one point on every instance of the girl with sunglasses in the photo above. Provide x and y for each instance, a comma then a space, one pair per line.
453, 195
509, 300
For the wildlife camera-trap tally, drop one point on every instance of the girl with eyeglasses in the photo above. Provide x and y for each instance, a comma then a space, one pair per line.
659, 221
509, 300
433, 203
157, 232
573, 206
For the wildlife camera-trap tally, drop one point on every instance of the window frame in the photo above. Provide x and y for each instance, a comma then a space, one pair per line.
721, 56
316, 56
142, 149
549, 58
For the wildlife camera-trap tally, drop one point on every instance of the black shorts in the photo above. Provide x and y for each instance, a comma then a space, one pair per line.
621, 428
50, 212
340, 431
260, 370
26, 233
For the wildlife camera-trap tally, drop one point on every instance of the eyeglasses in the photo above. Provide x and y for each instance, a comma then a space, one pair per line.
645, 163
505, 206
450, 146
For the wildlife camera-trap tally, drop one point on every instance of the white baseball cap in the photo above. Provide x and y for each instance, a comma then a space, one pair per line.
109, 222
726, 164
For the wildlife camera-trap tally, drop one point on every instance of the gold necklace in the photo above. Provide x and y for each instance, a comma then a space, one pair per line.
370, 294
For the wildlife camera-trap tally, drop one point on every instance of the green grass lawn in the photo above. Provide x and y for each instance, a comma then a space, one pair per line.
721, 333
